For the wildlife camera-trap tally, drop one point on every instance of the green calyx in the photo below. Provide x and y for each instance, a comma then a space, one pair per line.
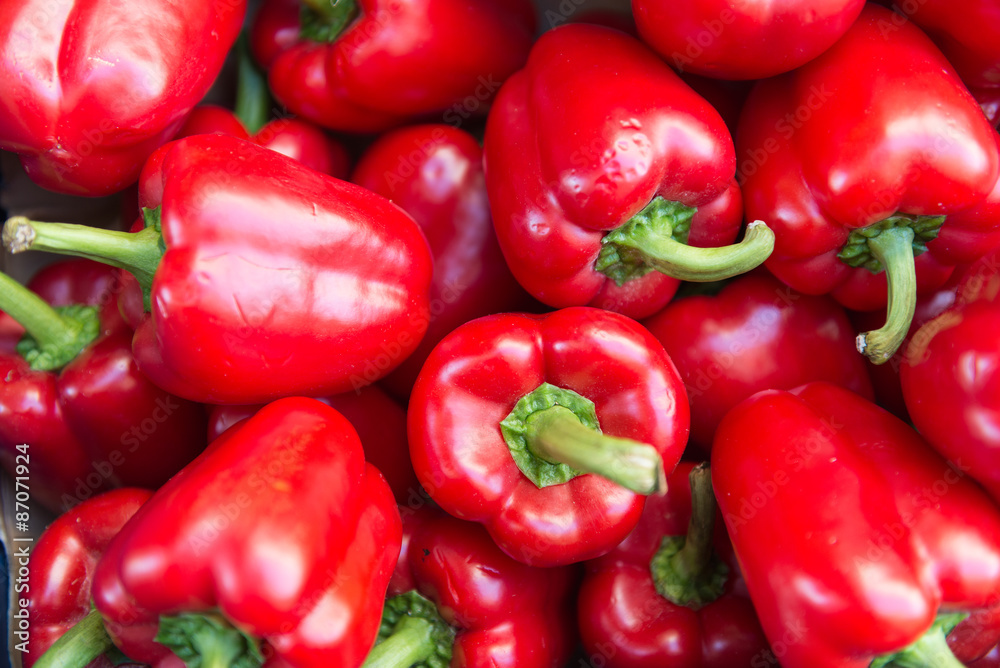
139, 253
620, 261
412, 633
656, 238
857, 252
54, 335
553, 435
324, 20
515, 431
931, 651
208, 641
82, 326
686, 569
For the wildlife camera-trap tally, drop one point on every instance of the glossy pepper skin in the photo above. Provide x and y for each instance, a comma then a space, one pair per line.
63, 563
435, 174
297, 139
373, 64
967, 32
949, 378
748, 40
565, 167
976, 636
293, 476
91, 89
480, 373
499, 613
381, 426
836, 147
275, 279
96, 421
870, 533
756, 334
624, 618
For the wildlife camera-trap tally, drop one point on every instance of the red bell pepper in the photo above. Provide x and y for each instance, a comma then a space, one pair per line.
73, 393
261, 277
367, 65
91, 89
277, 543
511, 411
950, 380
756, 334
856, 539
591, 192
456, 599
667, 595
435, 174
746, 40
62, 568
380, 423
864, 157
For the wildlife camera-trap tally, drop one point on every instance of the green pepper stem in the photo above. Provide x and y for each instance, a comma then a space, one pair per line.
333, 15
931, 651
253, 99
556, 435
894, 249
411, 642
83, 643
42, 322
686, 569
694, 557
138, 253
703, 265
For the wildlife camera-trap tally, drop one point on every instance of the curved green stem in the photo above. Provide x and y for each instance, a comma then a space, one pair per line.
702, 265
893, 248
556, 435
411, 642
138, 253
83, 643
656, 239
253, 98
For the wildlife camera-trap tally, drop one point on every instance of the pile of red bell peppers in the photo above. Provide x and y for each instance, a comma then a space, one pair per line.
492, 333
